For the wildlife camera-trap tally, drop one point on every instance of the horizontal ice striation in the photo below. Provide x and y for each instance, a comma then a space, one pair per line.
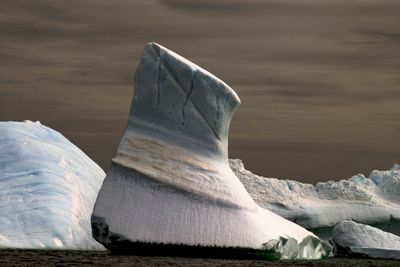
170, 182
47, 189
353, 239
374, 200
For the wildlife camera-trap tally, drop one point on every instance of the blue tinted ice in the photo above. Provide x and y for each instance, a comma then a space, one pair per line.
48, 187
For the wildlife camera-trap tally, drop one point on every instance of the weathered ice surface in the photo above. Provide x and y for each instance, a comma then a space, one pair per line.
170, 182
374, 200
353, 239
48, 188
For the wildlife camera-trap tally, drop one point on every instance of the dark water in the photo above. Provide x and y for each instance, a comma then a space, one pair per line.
96, 258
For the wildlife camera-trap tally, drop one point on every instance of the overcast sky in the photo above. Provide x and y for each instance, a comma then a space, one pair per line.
319, 82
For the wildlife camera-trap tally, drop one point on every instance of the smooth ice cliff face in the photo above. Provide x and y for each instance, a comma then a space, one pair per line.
374, 200
358, 240
48, 188
170, 182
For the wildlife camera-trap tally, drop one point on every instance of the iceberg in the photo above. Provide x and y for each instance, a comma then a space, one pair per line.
170, 190
48, 188
374, 200
353, 239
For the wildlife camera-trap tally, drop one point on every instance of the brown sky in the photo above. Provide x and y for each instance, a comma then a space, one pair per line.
319, 80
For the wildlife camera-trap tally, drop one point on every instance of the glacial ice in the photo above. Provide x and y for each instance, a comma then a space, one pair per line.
47, 189
374, 200
170, 182
353, 239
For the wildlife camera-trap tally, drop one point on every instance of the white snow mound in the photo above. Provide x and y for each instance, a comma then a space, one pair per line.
47, 189
355, 239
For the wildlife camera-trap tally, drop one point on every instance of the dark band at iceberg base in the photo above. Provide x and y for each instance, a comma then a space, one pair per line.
170, 185
119, 245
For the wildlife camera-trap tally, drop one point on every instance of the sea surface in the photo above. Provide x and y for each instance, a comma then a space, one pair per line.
15, 257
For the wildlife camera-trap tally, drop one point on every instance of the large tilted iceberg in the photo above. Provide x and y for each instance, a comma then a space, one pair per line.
170, 188
47, 189
353, 239
374, 200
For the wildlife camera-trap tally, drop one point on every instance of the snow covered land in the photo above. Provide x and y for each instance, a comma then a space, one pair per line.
47, 189
170, 182
374, 200
358, 240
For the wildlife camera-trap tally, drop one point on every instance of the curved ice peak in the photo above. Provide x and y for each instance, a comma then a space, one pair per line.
185, 104
374, 200
179, 120
170, 182
47, 189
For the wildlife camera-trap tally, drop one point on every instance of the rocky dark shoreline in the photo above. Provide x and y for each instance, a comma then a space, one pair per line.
16, 257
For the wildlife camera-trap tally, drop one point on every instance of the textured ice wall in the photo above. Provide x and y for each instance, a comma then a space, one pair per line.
355, 239
47, 189
374, 200
170, 182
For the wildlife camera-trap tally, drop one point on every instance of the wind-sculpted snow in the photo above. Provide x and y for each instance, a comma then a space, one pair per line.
358, 240
170, 186
374, 200
47, 189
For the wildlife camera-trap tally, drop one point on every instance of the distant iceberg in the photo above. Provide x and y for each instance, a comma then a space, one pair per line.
353, 239
374, 200
47, 189
170, 188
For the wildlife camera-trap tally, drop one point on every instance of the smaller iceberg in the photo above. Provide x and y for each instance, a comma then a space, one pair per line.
374, 200
48, 188
353, 239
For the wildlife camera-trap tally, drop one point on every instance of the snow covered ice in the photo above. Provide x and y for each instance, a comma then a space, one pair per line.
170, 182
358, 240
374, 200
47, 189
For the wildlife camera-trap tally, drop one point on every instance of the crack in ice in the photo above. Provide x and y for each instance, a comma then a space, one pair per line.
189, 94
180, 86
